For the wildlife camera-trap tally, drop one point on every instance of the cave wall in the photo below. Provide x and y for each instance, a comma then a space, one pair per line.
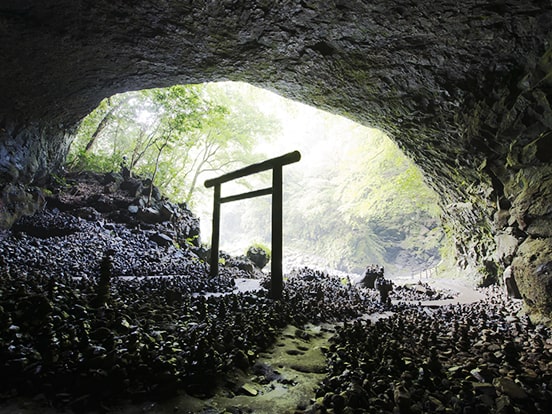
463, 87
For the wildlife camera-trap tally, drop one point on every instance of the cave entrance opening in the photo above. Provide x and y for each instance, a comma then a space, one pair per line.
355, 198
276, 190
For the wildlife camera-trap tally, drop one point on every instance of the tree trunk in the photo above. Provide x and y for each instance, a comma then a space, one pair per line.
103, 123
160, 150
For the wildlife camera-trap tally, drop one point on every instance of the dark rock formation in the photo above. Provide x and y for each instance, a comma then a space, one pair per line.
463, 86
101, 197
259, 256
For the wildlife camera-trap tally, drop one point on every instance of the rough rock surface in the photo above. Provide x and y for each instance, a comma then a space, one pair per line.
463, 87
258, 255
88, 216
110, 198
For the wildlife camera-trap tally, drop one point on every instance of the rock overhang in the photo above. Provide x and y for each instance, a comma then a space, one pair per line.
462, 87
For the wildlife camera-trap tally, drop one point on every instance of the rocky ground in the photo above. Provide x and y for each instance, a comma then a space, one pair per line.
103, 304
477, 358
420, 291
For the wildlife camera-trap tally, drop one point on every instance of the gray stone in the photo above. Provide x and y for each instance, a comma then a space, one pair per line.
16, 200
149, 215
484, 388
508, 387
510, 284
249, 389
258, 256
161, 239
506, 246
167, 211
133, 186
88, 213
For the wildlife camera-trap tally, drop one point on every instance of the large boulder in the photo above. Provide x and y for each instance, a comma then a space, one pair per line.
532, 268
258, 255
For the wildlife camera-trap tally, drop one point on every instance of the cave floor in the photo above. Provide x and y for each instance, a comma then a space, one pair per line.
283, 379
466, 292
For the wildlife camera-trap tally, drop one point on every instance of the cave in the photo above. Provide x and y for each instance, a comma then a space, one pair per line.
463, 87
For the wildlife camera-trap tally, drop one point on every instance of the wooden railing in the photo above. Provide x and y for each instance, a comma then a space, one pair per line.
276, 164
426, 273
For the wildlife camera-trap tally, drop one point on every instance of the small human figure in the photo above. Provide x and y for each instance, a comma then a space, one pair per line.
384, 287
125, 172
369, 277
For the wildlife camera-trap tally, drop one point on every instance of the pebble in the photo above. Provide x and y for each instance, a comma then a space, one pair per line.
249, 389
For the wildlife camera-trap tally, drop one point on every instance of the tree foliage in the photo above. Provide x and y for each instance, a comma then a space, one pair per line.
174, 135
353, 199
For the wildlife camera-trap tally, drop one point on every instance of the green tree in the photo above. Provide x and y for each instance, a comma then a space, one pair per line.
174, 135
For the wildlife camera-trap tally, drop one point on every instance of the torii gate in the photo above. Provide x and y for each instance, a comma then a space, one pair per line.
276, 164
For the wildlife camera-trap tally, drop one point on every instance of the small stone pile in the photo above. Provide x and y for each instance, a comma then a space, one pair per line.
150, 338
88, 213
420, 292
94, 310
67, 245
317, 296
132, 201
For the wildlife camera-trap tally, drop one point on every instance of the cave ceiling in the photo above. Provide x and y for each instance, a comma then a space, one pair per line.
462, 86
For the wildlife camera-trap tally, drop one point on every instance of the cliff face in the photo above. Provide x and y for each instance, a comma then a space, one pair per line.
463, 87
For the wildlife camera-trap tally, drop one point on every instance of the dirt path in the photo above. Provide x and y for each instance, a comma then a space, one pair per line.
284, 378
466, 292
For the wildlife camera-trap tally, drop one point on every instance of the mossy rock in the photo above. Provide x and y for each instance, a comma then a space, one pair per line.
532, 269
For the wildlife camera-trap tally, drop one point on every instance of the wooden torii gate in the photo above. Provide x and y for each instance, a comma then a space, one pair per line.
276, 164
